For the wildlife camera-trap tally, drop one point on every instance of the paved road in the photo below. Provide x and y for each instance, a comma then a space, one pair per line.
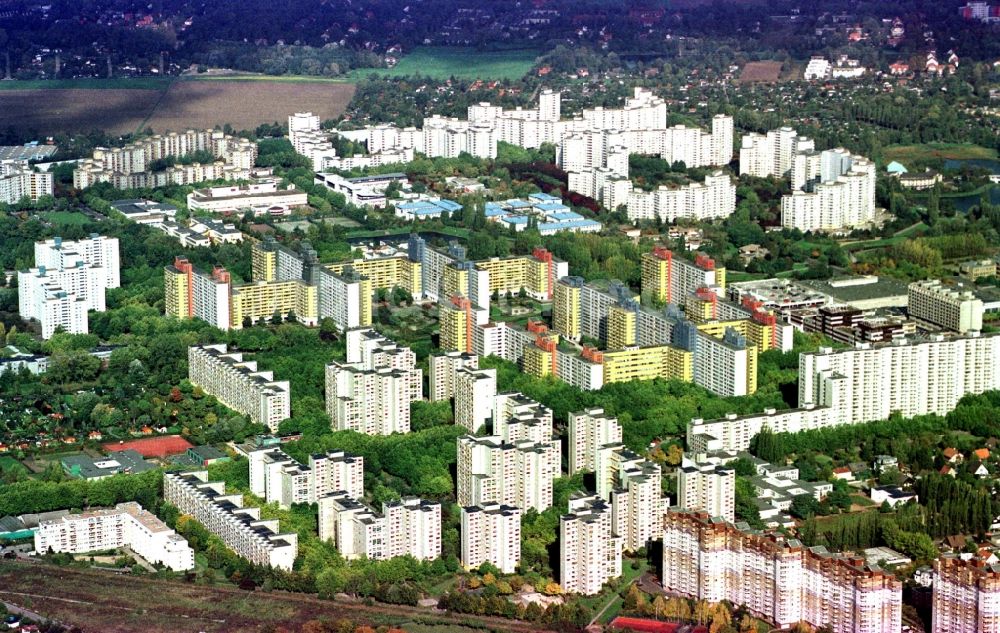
24, 613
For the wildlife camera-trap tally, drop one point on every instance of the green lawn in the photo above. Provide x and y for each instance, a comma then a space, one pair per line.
9, 464
119, 83
442, 62
936, 151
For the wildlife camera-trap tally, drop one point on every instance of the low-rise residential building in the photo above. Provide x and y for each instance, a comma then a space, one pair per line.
239, 385
240, 528
125, 525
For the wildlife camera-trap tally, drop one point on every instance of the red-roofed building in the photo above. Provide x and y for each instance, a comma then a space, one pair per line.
982, 453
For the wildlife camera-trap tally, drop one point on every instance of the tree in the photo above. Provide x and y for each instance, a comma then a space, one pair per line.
804, 506
276, 318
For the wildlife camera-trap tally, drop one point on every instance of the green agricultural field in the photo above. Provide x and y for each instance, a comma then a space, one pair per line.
439, 62
907, 154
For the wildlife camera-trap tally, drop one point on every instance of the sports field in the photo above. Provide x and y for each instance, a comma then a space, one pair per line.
442, 62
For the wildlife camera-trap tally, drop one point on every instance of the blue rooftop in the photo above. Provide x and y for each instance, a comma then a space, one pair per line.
543, 197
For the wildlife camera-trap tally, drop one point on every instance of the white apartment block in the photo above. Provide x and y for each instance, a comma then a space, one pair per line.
831, 190
441, 373
69, 279
955, 309
966, 595
772, 154
239, 527
847, 201
589, 431
125, 525
725, 366
707, 487
634, 488
518, 418
128, 167
239, 385
912, 377
590, 553
713, 199
97, 250
518, 474
18, 181
867, 383
371, 392
777, 579
475, 390
344, 297
312, 142
491, 534
408, 527
276, 477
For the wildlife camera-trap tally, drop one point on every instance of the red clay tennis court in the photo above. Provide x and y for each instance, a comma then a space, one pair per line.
152, 446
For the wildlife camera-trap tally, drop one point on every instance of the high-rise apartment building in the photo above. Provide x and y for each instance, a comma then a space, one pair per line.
707, 487
590, 553
274, 476
634, 488
951, 308
866, 383
371, 392
518, 474
239, 385
966, 596
442, 370
240, 527
475, 390
779, 580
408, 527
671, 279
68, 280
491, 534
18, 181
589, 431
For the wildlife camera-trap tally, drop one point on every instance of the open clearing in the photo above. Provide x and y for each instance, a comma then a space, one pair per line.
122, 106
462, 63
49, 111
98, 601
941, 151
767, 72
